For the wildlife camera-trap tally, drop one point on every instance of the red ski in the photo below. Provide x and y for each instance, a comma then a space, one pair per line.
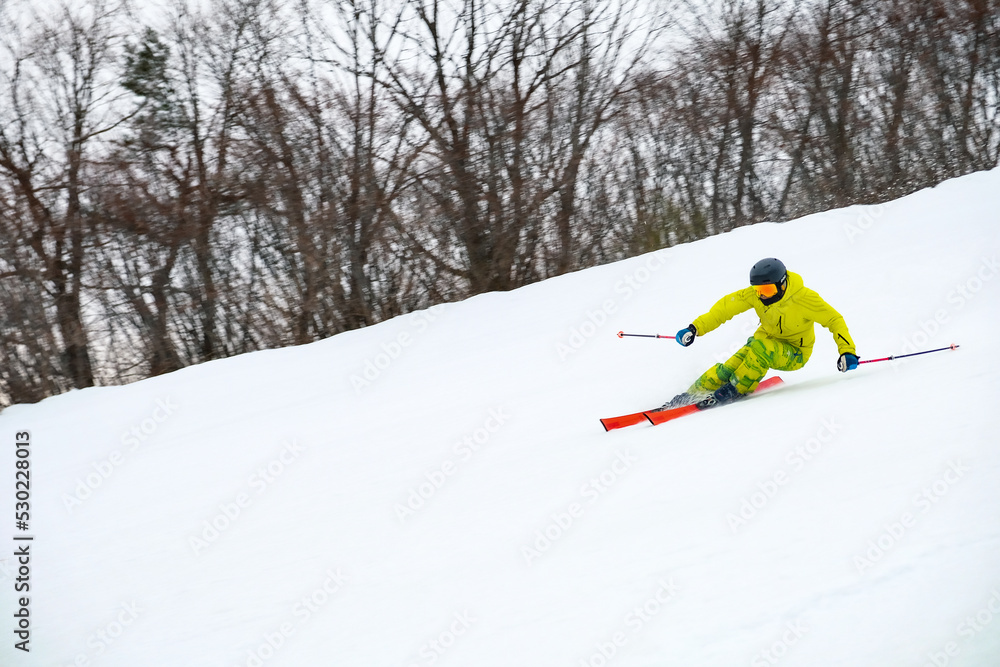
611, 423
659, 416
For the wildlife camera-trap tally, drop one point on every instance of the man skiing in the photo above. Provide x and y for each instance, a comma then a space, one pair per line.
787, 310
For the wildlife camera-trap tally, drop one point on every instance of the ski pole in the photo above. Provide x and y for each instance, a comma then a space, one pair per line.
622, 334
953, 346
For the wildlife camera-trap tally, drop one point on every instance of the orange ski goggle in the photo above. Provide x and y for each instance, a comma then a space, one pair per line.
766, 291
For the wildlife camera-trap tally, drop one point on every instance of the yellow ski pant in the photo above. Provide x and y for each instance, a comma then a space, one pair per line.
750, 364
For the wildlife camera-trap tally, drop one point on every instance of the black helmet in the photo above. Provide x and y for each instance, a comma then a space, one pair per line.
768, 271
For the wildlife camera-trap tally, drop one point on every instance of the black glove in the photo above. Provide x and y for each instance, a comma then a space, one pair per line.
686, 336
847, 362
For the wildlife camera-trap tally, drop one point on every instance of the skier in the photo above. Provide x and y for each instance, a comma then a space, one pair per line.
784, 340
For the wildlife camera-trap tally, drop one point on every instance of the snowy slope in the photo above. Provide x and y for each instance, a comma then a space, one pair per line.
437, 490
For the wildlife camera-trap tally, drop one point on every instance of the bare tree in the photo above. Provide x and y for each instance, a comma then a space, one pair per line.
58, 100
510, 98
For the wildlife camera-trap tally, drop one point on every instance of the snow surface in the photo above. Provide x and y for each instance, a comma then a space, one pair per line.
461, 505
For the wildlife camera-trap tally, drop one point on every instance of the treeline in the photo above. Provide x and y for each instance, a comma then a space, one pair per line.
234, 175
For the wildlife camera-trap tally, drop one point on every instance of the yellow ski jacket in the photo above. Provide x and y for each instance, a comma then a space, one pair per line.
790, 319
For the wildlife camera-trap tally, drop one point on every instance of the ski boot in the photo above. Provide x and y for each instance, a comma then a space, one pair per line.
727, 393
